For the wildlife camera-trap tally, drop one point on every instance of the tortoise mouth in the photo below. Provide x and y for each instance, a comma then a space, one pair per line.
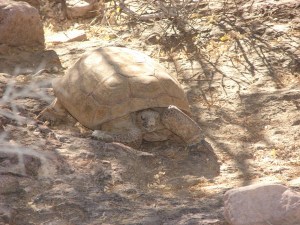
149, 128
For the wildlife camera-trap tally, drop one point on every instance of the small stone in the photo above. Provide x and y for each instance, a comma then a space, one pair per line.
32, 165
80, 8
8, 159
295, 182
262, 204
8, 184
6, 214
67, 36
31, 127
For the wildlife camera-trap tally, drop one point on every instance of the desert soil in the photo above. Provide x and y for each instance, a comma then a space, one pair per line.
241, 73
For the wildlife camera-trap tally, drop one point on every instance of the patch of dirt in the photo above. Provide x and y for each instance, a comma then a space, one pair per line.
240, 67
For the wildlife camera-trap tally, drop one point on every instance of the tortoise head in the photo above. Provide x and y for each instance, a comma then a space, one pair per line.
148, 120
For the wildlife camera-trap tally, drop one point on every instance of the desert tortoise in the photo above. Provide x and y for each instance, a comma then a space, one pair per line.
124, 96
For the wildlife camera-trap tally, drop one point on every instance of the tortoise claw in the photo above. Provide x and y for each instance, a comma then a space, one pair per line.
54, 113
102, 136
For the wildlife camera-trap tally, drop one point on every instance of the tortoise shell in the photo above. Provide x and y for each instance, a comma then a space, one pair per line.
111, 82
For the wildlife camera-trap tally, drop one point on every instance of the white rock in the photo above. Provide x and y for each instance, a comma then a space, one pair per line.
67, 36
80, 8
262, 204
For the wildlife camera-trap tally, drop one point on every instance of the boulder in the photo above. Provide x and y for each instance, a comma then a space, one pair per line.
262, 204
20, 25
35, 3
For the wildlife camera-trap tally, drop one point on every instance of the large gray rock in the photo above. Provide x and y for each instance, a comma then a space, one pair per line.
20, 24
262, 205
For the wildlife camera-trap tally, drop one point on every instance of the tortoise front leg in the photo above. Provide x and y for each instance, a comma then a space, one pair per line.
55, 112
182, 125
132, 138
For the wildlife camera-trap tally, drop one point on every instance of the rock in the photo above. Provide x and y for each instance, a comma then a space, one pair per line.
20, 25
10, 163
26, 62
262, 204
295, 182
35, 3
32, 165
21, 162
67, 36
8, 158
8, 184
6, 214
80, 8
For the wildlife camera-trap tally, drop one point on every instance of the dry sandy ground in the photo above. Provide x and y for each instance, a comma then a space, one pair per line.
241, 76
